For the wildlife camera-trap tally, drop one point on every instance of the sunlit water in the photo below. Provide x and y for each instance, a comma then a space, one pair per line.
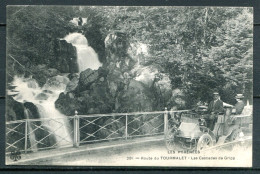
27, 90
86, 56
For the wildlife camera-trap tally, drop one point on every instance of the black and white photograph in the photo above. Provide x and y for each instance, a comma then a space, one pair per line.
161, 86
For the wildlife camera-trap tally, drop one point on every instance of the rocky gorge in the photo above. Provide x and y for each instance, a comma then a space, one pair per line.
120, 85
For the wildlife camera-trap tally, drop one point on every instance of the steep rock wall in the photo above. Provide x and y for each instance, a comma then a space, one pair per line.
65, 57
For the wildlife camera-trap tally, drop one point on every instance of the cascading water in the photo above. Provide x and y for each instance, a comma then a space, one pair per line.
86, 56
27, 90
32, 138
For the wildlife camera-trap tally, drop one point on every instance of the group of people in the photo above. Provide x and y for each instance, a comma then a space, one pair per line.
214, 109
217, 106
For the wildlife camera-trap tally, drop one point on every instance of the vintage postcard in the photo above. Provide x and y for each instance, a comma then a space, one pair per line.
129, 86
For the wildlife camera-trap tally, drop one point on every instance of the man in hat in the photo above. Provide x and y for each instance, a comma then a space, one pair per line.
215, 107
240, 104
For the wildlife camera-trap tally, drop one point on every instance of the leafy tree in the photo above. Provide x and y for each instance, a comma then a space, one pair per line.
201, 49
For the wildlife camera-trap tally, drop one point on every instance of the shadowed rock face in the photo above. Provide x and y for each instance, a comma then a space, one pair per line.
95, 40
72, 85
111, 88
86, 78
41, 73
65, 57
15, 111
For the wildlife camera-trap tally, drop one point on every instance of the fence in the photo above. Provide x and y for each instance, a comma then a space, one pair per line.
241, 144
31, 135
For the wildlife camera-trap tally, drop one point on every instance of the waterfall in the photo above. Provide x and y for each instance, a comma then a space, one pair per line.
27, 90
32, 138
86, 56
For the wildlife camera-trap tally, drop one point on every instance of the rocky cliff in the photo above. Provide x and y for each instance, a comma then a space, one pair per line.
65, 57
111, 88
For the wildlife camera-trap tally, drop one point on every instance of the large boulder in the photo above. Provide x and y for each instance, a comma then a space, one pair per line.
16, 110
86, 78
136, 97
34, 113
42, 96
113, 88
72, 85
67, 105
41, 73
56, 83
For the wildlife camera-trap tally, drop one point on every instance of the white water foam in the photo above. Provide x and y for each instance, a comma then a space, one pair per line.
86, 56
27, 90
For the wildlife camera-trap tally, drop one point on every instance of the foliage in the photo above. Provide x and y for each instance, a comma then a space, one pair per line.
201, 48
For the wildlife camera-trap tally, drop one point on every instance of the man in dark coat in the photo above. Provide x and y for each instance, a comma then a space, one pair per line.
215, 107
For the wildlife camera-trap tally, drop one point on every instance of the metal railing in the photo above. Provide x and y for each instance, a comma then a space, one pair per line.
31, 135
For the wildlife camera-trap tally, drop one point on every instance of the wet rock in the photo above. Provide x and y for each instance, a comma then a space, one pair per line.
102, 72
57, 82
67, 105
15, 110
65, 57
32, 83
73, 75
85, 94
42, 96
34, 113
95, 40
52, 72
41, 73
86, 78
47, 91
72, 85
